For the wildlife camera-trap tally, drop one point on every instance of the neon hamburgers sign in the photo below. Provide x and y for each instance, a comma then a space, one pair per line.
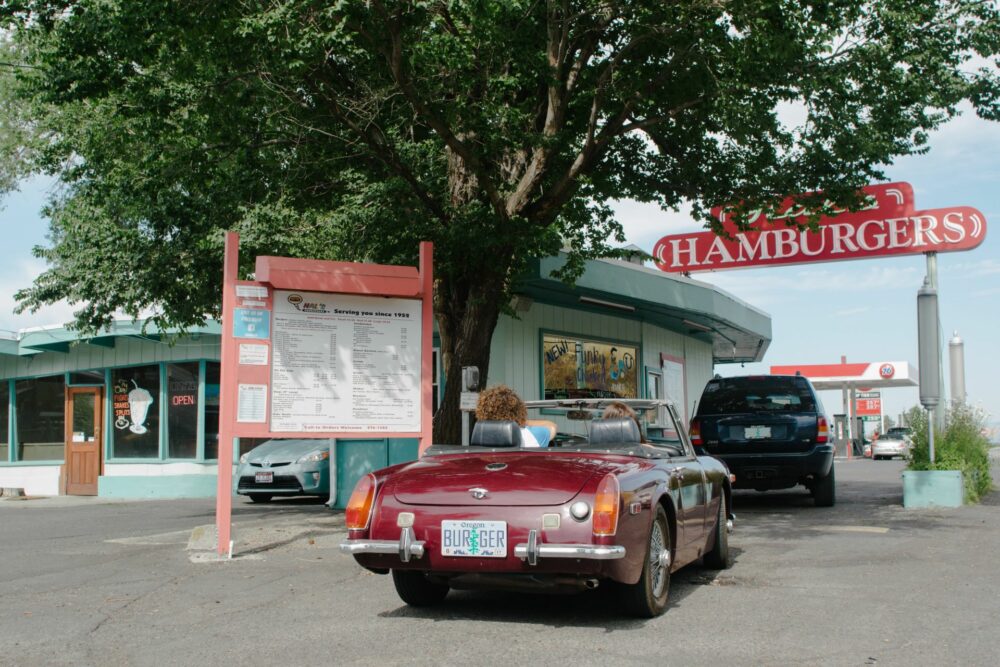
886, 225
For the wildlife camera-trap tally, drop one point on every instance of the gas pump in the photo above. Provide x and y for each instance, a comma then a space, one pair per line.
859, 441
841, 438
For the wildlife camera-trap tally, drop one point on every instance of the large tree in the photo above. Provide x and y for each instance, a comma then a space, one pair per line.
498, 129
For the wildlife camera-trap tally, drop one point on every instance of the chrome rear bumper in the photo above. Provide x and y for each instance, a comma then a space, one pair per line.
407, 548
534, 549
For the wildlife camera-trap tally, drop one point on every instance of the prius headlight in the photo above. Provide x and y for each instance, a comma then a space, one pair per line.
245, 457
314, 456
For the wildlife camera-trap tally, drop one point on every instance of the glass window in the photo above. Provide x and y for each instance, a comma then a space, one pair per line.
136, 396
757, 393
579, 368
212, 410
182, 411
4, 420
41, 418
86, 378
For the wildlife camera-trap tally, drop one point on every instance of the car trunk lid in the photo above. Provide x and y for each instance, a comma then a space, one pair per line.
500, 479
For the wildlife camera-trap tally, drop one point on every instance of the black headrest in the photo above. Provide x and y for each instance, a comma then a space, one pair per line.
496, 434
613, 431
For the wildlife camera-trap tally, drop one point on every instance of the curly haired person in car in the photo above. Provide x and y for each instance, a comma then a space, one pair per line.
502, 403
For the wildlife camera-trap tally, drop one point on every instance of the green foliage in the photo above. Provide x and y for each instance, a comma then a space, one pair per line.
961, 445
500, 130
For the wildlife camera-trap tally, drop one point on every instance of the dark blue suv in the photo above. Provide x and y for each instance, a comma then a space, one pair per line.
771, 430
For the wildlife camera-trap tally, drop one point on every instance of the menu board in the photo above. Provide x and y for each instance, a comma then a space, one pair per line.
344, 362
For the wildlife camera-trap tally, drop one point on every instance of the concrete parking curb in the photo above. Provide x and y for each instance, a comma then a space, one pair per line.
255, 537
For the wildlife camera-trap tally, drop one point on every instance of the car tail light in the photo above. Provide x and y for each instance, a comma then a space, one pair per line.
606, 506
695, 432
359, 507
822, 430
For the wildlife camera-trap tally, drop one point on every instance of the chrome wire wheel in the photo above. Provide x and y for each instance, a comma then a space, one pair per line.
659, 560
647, 597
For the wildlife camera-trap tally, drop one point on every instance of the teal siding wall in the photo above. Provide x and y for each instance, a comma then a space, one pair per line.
515, 356
356, 458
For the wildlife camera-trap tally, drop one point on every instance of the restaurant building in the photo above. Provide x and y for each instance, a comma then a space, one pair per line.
134, 412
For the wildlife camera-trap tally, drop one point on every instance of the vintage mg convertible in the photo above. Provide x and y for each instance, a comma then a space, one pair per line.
590, 508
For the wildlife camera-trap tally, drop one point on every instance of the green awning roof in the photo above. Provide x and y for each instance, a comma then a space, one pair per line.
62, 339
738, 331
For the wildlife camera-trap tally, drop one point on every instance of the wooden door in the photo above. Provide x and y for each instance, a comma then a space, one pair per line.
84, 440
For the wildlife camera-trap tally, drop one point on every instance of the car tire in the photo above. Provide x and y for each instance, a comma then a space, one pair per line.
416, 590
260, 497
648, 597
719, 558
824, 490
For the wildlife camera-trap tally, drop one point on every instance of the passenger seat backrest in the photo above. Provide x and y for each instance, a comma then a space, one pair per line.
496, 434
613, 431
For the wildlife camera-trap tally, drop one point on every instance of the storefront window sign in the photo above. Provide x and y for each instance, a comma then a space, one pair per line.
575, 367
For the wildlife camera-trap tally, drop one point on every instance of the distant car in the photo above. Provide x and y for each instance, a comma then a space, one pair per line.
588, 510
772, 432
905, 431
890, 445
285, 468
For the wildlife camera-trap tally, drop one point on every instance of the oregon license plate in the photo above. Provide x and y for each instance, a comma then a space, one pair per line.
480, 539
755, 432
264, 477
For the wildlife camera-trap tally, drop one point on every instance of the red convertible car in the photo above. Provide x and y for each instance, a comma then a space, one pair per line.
588, 509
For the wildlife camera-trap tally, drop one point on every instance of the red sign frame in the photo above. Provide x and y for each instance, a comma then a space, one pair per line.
248, 304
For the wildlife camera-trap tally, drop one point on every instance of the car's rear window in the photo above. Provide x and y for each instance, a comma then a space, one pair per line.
757, 394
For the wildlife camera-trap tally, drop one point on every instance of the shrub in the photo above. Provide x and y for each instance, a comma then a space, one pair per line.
961, 445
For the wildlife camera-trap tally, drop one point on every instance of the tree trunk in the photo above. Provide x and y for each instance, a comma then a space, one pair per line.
466, 322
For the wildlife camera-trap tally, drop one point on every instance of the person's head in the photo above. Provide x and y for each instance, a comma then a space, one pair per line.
619, 410
501, 403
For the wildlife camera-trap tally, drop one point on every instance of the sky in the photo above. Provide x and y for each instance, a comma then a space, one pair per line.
864, 310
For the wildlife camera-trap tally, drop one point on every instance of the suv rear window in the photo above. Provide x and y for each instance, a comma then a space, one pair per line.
757, 394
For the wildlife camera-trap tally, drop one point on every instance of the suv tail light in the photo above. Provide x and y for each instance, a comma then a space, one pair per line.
606, 506
695, 432
359, 508
822, 430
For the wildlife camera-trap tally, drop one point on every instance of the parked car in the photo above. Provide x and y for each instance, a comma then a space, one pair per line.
285, 468
772, 432
905, 431
890, 445
592, 508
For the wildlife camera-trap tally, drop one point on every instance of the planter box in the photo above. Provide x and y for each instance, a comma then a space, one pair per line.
933, 488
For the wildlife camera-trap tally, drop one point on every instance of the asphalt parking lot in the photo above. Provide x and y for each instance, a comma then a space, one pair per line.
95, 582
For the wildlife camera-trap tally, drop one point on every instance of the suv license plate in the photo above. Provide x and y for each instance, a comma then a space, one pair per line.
756, 432
264, 477
477, 539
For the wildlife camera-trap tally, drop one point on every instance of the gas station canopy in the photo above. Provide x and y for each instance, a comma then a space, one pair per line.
863, 375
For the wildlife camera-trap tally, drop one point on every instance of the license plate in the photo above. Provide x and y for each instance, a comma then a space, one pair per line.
478, 539
754, 432
264, 477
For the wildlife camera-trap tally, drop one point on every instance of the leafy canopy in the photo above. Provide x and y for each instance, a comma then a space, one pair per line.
498, 129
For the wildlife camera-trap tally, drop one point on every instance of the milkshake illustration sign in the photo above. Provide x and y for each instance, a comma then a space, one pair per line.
131, 406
